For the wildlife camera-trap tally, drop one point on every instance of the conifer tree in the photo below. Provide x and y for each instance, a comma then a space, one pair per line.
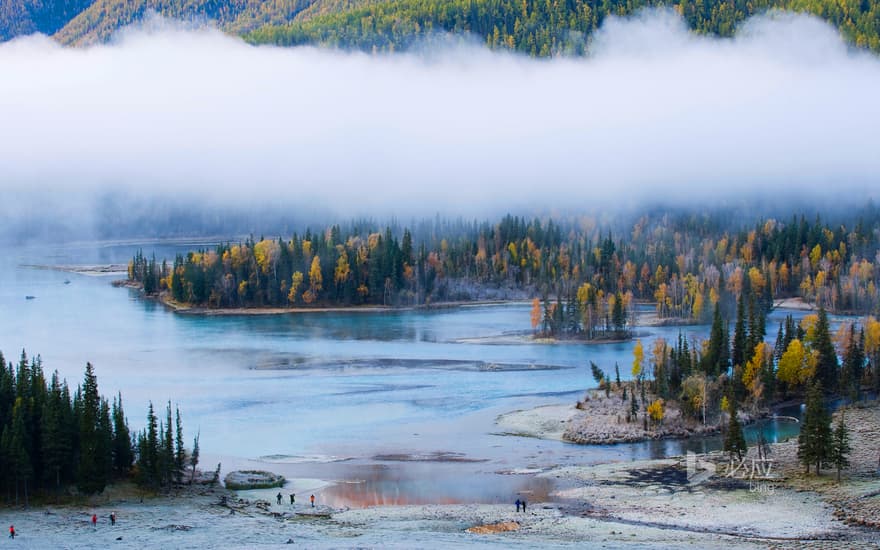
740, 336
151, 446
814, 440
167, 449
194, 458
20, 460
122, 453
179, 451
56, 442
92, 471
827, 366
734, 440
712, 358
840, 447
853, 365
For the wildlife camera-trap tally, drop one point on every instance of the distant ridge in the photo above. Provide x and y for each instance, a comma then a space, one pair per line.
537, 28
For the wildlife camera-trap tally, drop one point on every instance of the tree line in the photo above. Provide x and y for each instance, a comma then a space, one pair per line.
52, 438
685, 263
543, 29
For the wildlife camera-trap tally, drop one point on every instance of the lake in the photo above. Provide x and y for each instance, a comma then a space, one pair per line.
397, 407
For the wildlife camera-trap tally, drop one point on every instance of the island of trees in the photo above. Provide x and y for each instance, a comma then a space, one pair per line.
54, 440
587, 276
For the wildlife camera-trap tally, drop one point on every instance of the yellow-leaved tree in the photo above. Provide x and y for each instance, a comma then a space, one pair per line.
296, 282
638, 360
797, 365
655, 411
315, 278
752, 373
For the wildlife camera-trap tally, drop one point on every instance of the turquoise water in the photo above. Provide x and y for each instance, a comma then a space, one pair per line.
313, 388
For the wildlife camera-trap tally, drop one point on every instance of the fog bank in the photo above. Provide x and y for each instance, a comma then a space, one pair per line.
656, 113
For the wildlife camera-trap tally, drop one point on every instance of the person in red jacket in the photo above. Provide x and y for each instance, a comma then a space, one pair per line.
95, 520
11, 532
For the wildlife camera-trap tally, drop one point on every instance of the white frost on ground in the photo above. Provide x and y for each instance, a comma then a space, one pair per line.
548, 422
775, 512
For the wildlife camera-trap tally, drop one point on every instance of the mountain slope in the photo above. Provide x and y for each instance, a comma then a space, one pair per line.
542, 27
104, 17
534, 27
18, 17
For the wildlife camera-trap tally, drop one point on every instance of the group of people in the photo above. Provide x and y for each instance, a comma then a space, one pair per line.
521, 504
112, 517
279, 497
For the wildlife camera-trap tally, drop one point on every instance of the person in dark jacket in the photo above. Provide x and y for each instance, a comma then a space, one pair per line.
517, 505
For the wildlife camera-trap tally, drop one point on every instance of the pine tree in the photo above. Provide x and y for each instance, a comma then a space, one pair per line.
194, 458
122, 452
853, 366
633, 406
92, 471
734, 440
167, 449
712, 358
840, 447
814, 440
179, 451
150, 452
827, 367
18, 456
56, 436
740, 336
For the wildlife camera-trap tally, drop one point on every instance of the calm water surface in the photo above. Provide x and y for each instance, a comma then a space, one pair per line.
323, 395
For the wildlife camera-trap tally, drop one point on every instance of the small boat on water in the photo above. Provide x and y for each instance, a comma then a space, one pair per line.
29, 297
67, 281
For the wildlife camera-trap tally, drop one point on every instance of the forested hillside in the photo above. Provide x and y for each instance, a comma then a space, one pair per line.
103, 17
18, 17
683, 262
541, 28
529, 26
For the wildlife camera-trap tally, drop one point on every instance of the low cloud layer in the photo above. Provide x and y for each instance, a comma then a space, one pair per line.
655, 113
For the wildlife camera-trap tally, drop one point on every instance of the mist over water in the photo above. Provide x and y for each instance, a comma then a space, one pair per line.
654, 113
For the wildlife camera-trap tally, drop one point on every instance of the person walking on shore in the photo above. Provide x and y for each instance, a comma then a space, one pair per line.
94, 521
279, 498
517, 505
312, 499
524, 505
112, 518
12, 531
293, 498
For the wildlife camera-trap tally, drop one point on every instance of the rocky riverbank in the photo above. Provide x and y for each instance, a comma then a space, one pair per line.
601, 420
